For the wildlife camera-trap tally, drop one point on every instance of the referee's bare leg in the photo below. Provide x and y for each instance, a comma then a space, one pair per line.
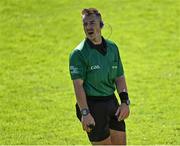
118, 137
115, 138
107, 141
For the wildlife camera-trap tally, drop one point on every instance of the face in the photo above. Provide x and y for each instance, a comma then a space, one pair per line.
92, 28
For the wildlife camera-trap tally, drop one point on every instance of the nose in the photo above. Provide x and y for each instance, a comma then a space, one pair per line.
88, 26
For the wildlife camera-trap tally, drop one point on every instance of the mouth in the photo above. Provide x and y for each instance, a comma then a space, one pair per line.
90, 32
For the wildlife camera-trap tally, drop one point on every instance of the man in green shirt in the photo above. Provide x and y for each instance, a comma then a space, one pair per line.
96, 71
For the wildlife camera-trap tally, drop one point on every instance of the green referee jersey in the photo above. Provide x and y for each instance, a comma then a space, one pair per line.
98, 71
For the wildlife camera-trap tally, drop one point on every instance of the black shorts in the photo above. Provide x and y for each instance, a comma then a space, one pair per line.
103, 112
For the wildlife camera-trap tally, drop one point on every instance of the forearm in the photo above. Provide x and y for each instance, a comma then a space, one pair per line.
121, 84
80, 95
123, 110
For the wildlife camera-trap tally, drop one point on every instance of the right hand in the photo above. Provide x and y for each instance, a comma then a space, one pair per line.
87, 120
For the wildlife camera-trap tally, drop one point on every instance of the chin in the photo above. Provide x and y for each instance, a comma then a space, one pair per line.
91, 38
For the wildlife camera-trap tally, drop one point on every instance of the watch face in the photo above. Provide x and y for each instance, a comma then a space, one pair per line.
84, 112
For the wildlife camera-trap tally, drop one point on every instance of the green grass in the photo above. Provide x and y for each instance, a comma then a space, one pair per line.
36, 93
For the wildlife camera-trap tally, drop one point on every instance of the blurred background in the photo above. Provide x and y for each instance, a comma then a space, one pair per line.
37, 102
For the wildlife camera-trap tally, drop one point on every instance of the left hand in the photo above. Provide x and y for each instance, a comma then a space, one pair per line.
122, 112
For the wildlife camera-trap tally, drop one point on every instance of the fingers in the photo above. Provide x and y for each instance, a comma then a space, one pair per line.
90, 127
123, 114
86, 127
117, 112
88, 123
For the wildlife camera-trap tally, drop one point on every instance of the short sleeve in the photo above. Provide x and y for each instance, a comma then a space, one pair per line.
120, 70
77, 66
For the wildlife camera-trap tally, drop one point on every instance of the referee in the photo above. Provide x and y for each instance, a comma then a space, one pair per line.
96, 71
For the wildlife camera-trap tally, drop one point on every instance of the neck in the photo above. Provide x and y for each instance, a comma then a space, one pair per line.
97, 40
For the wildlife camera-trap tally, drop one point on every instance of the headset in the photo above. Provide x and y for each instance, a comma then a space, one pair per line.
101, 24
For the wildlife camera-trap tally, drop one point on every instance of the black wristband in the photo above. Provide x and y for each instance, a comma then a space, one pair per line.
123, 97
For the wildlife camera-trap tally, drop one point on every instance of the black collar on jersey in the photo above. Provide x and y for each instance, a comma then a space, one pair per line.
102, 48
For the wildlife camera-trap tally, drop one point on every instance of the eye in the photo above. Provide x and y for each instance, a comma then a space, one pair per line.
92, 23
85, 23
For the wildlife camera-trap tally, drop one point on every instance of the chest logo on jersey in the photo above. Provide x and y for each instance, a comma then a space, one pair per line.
95, 67
114, 67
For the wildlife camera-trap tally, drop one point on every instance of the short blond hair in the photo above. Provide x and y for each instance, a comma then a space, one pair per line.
90, 11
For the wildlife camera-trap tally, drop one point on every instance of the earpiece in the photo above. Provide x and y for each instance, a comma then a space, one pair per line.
101, 24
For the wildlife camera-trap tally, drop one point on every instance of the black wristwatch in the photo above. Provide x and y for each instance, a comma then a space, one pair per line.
85, 112
124, 98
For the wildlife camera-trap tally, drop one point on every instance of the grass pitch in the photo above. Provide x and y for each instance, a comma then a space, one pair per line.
36, 93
